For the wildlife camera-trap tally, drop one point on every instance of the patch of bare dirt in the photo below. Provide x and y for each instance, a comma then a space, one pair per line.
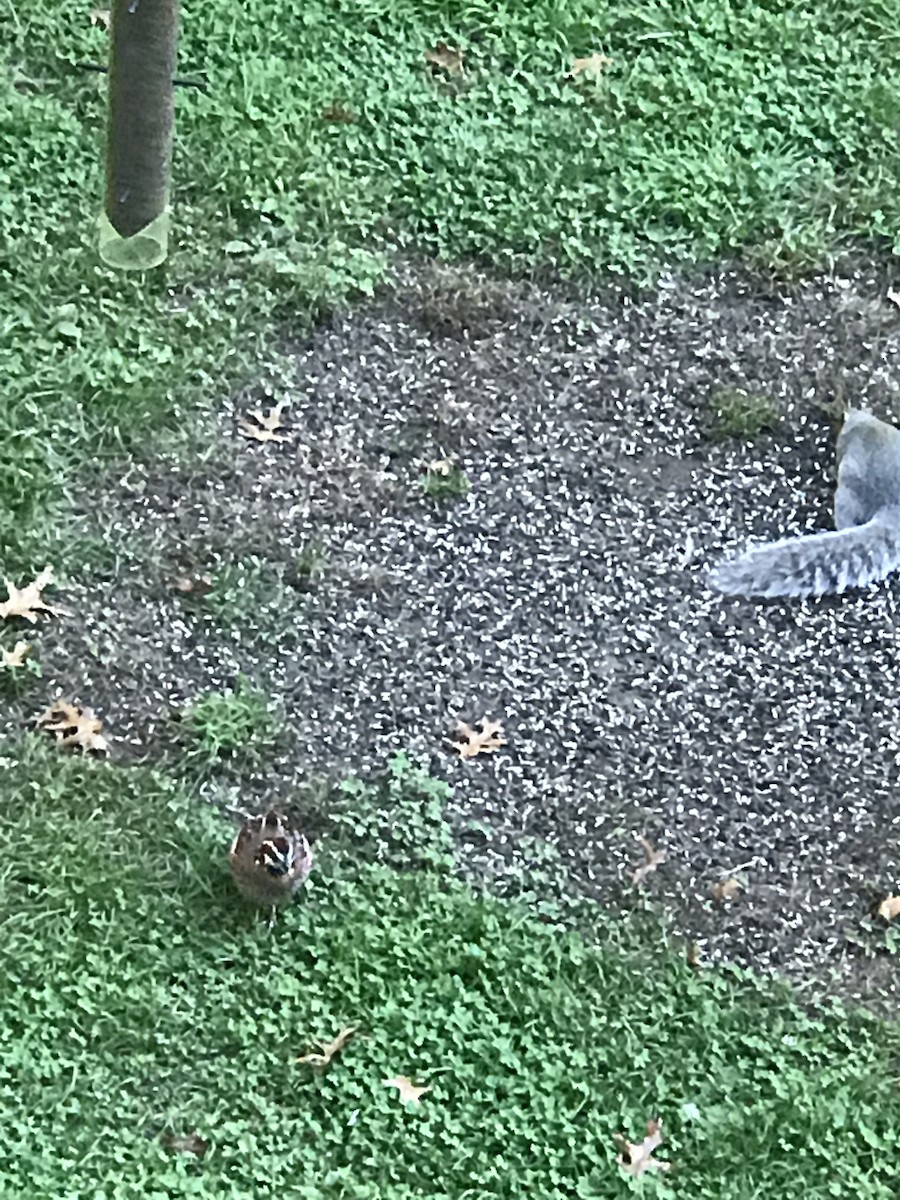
564, 594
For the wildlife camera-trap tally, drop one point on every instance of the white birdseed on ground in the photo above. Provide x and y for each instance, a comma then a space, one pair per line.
564, 595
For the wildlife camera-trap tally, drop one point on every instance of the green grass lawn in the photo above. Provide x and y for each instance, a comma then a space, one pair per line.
139, 994
142, 998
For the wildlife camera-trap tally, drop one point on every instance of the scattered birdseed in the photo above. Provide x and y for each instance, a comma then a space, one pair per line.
564, 594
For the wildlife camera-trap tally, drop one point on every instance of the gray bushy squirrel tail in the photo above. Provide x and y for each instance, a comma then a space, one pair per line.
817, 565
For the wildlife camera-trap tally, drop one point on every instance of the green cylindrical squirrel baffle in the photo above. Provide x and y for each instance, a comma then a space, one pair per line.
133, 230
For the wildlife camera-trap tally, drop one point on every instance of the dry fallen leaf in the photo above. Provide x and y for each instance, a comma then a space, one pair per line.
27, 602
441, 466
594, 65
327, 1050
652, 859
266, 427
73, 726
101, 16
448, 58
408, 1091
482, 738
725, 889
889, 908
191, 585
16, 657
185, 1143
338, 114
693, 955
636, 1158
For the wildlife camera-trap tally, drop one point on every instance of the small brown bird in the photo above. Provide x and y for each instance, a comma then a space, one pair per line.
270, 860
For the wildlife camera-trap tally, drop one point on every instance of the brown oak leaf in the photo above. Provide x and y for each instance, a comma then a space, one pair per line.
637, 1157
407, 1091
448, 58
725, 890
652, 859
482, 738
593, 65
337, 114
15, 657
191, 585
27, 602
327, 1050
889, 908
185, 1143
73, 726
441, 466
266, 426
